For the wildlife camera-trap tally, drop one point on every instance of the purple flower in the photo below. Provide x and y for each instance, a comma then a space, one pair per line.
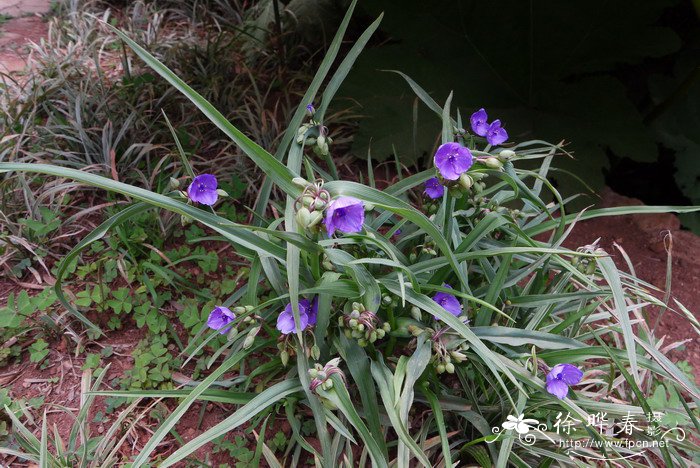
285, 320
496, 134
346, 214
433, 188
310, 109
452, 159
478, 121
313, 311
448, 302
203, 189
561, 377
220, 318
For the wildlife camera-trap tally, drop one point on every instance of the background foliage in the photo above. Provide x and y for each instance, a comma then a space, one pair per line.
617, 81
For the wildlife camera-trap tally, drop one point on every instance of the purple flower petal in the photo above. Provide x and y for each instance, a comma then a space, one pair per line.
285, 320
478, 121
345, 214
219, 318
567, 373
496, 134
203, 189
558, 388
433, 188
452, 159
312, 311
448, 302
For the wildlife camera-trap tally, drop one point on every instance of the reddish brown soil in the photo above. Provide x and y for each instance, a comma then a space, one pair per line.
15, 36
642, 238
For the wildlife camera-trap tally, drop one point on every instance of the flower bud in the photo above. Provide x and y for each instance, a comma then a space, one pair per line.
590, 269
450, 368
466, 181
222, 192
284, 357
300, 182
440, 368
315, 352
386, 299
493, 163
248, 342
174, 183
506, 155
303, 217
311, 141
416, 313
315, 219
239, 310
249, 308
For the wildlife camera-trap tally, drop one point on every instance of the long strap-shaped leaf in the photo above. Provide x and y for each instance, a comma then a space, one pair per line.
264, 400
237, 234
489, 357
401, 208
323, 70
278, 173
182, 408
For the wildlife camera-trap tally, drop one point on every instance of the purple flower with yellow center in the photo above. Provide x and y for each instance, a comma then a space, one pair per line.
433, 188
203, 189
285, 320
345, 214
561, 377
452, 159
479, 122
496, 134
448, 302
220, 318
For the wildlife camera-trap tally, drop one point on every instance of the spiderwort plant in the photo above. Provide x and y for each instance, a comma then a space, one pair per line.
375, 321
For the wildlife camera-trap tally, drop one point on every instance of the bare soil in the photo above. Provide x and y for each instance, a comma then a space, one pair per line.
645, 239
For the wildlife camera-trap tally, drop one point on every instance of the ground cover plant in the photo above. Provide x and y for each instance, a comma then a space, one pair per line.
437, 321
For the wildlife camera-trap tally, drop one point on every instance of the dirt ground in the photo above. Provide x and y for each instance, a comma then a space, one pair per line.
24, 25
642, 238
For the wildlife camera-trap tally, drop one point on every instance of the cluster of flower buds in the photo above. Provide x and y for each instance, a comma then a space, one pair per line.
287, 347
363, 325
483, 206
315, 135
427, 248
255, 323
321, 375
448, 347
310, 204
587, 265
